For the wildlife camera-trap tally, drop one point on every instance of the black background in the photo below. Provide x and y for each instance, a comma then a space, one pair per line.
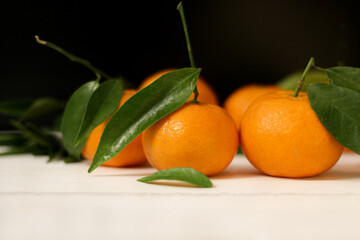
234, 42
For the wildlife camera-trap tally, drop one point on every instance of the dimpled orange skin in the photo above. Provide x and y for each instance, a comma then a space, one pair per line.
281, 136
238, 101
206, 92
131, 155
201, 136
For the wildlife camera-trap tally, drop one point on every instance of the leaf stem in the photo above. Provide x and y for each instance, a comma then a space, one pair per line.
191, 57
73, 58
319, 68
310, 64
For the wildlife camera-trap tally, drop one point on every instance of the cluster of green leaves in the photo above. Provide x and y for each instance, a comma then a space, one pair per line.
88, 107
29, 138
143, 109
26, 110
93, 103
337, 105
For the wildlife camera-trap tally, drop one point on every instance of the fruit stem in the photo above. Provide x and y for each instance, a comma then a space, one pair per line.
310, 64
191, 57
73, 58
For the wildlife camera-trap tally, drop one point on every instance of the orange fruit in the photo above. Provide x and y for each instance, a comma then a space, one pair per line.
132, 154
201, 136
281, 136
206, 92
238, 101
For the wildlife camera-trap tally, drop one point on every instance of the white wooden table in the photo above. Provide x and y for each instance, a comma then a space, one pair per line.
40, 200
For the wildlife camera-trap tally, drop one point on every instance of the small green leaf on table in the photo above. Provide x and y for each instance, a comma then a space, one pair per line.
103, 102
184, 174
338, 109
74, 115
146, 107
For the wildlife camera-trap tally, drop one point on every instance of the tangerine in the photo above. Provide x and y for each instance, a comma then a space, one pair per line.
281, 136
132, 154
206, 92
201, 136
238, 101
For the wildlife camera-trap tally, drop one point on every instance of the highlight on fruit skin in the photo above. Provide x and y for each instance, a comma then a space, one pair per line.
133, 154
201, 136
239, 100
281, 136
206, 92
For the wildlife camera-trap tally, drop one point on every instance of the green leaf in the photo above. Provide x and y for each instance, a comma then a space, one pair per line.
41, 107
12, 139
184, 174
347, 77
15, 107
70, 159
146, 107
338, 109
31, 132
34, 140
239, 151
56, 126
74, 116
102, 104
313, 76
54, 155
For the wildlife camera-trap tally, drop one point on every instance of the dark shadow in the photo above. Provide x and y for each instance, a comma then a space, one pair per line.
174, 184
341, 173
141, 166
350, 153
122, 173
335, 175
140, 175
238, 172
